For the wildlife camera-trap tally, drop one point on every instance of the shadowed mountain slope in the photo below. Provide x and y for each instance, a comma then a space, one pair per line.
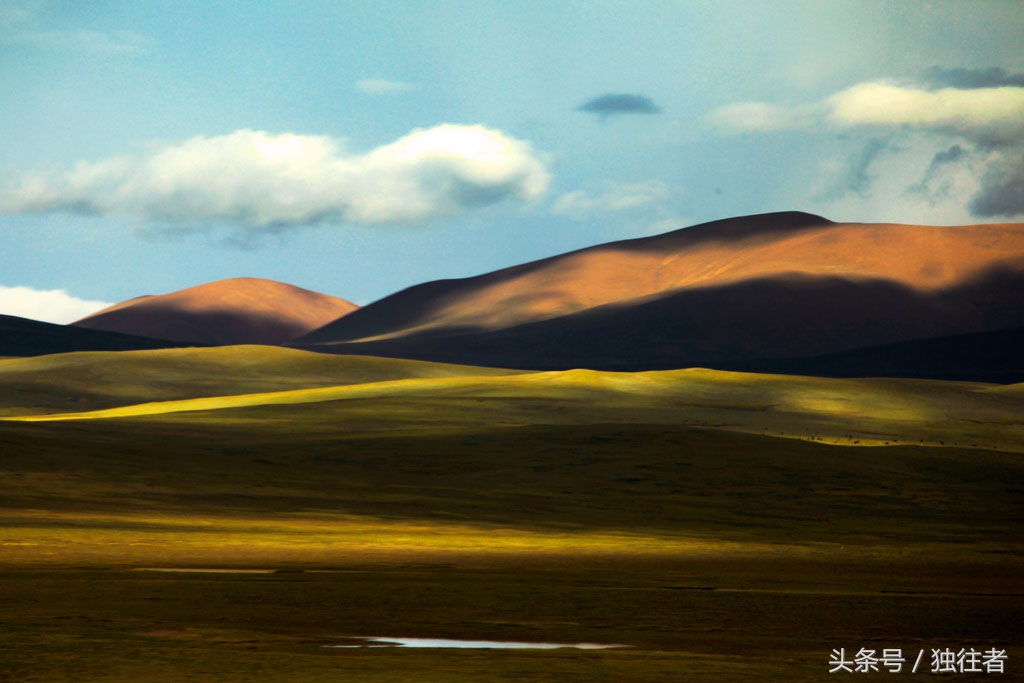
234, 311
716, 254
746, 325
730, 294
983, 357
24, 337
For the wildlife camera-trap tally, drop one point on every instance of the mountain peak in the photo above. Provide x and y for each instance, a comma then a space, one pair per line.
741, 228
239, 310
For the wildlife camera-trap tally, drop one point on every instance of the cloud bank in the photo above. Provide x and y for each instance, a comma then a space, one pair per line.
993, 116
978, 124
52, 306
617, 104
259, 180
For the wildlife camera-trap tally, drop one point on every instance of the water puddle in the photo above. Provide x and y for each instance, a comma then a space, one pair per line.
201, 570
468, 644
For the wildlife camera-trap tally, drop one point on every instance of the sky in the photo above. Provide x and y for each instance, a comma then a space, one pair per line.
357, 148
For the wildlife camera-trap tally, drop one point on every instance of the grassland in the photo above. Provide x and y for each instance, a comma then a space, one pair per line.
724, 526
96, 380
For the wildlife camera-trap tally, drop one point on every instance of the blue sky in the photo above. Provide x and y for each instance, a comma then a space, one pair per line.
357, 148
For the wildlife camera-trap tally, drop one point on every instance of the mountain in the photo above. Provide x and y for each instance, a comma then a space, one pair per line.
24, 337
776, 286
996, 357
240, 310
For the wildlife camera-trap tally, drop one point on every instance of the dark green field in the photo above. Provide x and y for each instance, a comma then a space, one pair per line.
709, 522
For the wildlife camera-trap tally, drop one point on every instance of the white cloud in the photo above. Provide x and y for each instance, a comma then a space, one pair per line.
905, 182
985, 115
614, 198
382, 86
53, 306
985, 124
256, 179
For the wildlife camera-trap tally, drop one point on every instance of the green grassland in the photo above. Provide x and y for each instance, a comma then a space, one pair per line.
724, 526
97, 380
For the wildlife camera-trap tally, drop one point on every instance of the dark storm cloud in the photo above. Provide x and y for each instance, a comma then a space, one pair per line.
992, 77
616, 104
1002, 190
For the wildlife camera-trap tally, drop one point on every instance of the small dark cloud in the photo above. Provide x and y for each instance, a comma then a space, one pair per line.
616, 104
858, 179
1002, 191
954, 153
941, 159
992, 77
855, 176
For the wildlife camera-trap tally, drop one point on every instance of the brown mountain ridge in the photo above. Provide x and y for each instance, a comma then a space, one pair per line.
774, 286
727, 252
241, 310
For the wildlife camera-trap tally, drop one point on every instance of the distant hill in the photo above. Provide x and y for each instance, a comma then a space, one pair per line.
24, 337
721, 294
234, 311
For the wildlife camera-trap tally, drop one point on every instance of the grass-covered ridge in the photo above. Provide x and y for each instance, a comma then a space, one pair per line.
244, 383
97, 380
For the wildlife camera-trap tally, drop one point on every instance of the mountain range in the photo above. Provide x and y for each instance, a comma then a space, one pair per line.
756, 292
785, 292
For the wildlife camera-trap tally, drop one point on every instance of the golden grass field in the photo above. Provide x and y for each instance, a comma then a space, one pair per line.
724, 526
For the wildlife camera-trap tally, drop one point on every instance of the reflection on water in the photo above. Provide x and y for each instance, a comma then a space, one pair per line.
468, 644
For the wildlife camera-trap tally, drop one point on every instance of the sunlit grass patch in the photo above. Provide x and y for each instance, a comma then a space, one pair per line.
85, 381
31, 537
848, 412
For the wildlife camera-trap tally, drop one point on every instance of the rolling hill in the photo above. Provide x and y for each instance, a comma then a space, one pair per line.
375, 396
24, 337
234, 311
757, 288
99, 380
